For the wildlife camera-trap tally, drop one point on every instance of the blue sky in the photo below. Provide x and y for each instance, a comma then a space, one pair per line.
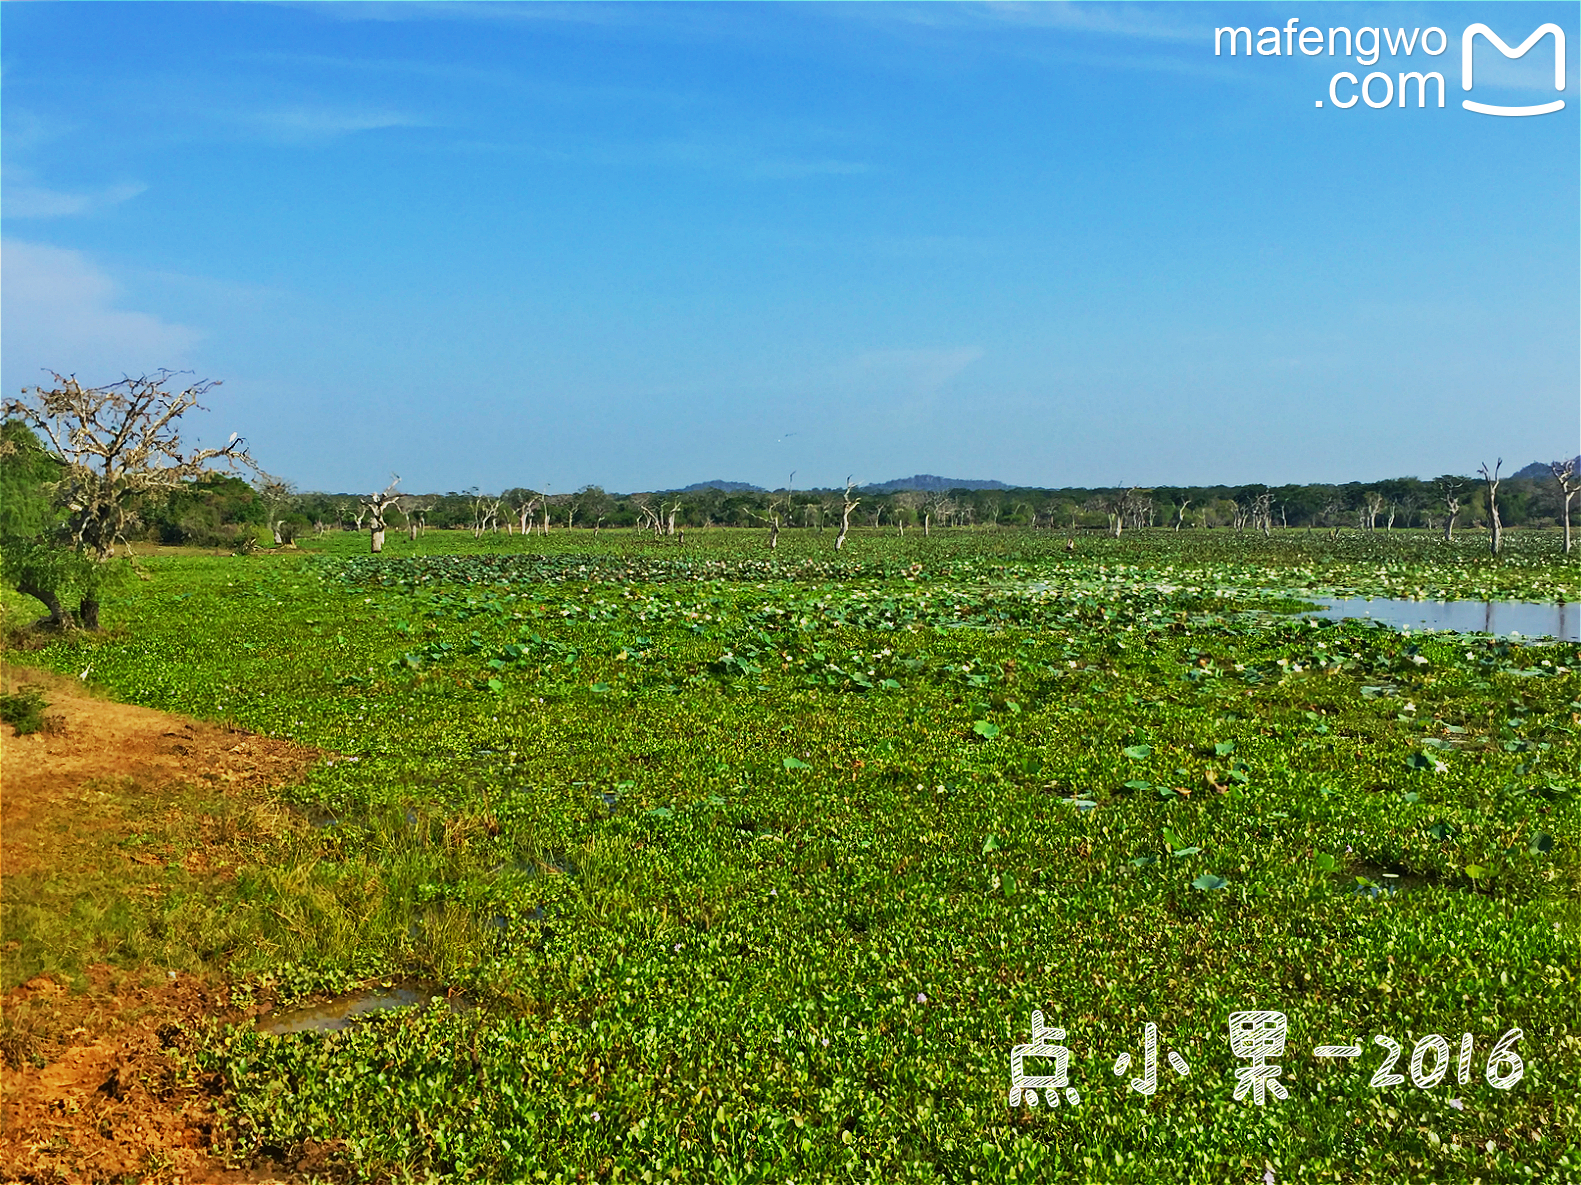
643, 245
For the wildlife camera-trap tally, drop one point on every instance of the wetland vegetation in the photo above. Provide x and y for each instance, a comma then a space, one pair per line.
754, 865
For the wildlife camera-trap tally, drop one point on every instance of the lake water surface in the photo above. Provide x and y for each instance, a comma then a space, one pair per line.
1465, 617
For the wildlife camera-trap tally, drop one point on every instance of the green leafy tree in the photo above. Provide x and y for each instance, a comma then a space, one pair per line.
31, 525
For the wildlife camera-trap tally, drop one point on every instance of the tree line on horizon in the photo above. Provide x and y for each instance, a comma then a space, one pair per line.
199, 512
220, 509
86, 469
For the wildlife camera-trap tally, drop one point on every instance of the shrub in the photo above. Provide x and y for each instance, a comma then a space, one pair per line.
24, 711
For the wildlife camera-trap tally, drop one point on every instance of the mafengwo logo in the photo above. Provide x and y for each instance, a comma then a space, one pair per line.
1380, 89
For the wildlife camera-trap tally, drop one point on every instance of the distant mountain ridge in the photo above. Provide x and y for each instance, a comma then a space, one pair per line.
728, 487
1539, 469
933, 484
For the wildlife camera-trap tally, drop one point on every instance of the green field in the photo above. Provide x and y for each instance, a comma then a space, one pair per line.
756, 864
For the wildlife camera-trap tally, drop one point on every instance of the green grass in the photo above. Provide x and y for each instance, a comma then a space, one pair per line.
759, 863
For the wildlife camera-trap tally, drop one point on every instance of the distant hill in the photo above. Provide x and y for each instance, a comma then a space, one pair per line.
931, 483
729, 487
1539, 469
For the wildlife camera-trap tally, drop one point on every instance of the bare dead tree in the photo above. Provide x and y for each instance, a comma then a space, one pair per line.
485, 514
415, 509
525, 505
1496, 539
1569, 486
1134, 507
1141, 512
377, 506
650, 518
1180, 512
1374, 507
846, 508
479, 511
1114, 509
771, 516
1331, 511
117, 444
279, 498
935, 505
1449, 488
1263, 510
905, 505
572, 503
670, 513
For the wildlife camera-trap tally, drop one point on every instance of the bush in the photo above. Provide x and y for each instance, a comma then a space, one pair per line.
24, 711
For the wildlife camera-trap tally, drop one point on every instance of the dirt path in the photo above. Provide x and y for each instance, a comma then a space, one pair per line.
90, 1092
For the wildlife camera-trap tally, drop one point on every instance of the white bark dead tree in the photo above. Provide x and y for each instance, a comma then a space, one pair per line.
846, 508
1564, 474
279, 498
1263, 508
524, 510
1496, 537
376, 506
415, 510
1449, 488
1374, 507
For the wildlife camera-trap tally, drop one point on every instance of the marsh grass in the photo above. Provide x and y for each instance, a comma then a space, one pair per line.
748, 895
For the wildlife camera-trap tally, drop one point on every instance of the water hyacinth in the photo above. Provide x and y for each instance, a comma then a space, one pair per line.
725, 812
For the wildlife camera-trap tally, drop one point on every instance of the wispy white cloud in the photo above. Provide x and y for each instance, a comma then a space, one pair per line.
58, 310
26, 128
1113, 20
545, 12
1158, 39
743, 156
25, 200
523, 81
323, 123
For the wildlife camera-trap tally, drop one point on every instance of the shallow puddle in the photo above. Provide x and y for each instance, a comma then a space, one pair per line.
1465, 617
1377, 880
338, 1014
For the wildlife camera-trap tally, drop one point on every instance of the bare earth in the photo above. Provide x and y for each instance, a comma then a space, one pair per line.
107, 1105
